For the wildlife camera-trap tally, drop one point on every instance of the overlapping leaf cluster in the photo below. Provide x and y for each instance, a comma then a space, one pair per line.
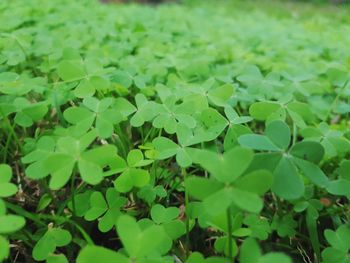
174, 133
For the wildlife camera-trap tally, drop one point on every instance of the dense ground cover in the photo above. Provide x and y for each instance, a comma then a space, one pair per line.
132, 133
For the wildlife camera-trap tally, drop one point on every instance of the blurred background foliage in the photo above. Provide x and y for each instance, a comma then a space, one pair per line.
196, 1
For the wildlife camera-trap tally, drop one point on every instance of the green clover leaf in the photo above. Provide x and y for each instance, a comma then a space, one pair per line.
99, 112
132, 176
339, 241
90, 254
333, 141
268, 111
166, 148
149, 193
259, 226
166, 217
108, 211
229, 186
196, 257
220, 166
160, 214
89, 73
286, 163
54, 237
57, 258
251, 253
172, 114
146, 110
4, 248
284, 225
59, 160
27, 113
136, 240
6, 188
10, 223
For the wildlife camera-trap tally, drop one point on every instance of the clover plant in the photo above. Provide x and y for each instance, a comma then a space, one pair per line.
187, 132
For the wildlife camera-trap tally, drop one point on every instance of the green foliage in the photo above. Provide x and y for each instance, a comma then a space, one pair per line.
4, 248
286, 163
136, 238
90, 254
191, 134
227, 187
6, 188
251, 253
108, 210
54, 237
9, 223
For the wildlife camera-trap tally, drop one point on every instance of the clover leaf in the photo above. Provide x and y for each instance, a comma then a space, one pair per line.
267, 110
146, 111
10, 223
59, 159
227, 185
166, 217
4, 248
220, 165
160, 214
27, 113
53, 238
221, 245
171, 114
218, 95
149, 193
126, 79
136, 239
57, 258
14, 84
167, 148
99, 112
259, 226
284, 225
340, 186
6, 188
88, 72
286, 163
234, 118
210, 124
132, 176
251, 253
259, 86
108, 212
90, 254
340, 245
333, 141
72, 69
197, 257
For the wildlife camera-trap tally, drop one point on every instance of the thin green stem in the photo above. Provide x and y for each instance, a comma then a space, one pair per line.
229, 233
148, 134
48, 190
37, 218
295, 133
12, 131
142, 135
20, 211
72, 189
6, 148
123, 144
58, 110
184, 174
336, 100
